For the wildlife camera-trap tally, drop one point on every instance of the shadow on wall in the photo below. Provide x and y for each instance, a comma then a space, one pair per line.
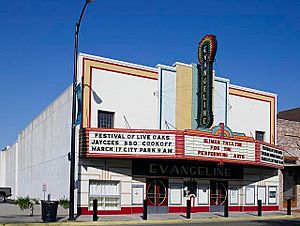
124, 167
97, 99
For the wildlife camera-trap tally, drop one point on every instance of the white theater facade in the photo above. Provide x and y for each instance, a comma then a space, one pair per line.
138, 140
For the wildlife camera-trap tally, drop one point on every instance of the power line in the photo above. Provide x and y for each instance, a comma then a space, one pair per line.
169, 124
38, 164
126, 122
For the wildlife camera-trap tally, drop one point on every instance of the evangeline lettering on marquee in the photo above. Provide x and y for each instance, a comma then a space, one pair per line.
172, 168
188, 170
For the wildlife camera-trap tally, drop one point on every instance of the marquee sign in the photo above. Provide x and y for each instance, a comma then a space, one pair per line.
271, 155
219, 148
207, 49
218, 144
184, 169
131, 143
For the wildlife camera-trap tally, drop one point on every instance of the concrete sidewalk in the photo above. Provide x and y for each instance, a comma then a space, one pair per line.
11, 215
194, 216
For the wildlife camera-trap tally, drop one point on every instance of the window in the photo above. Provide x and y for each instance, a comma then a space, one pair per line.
261, 194
259, 135
250, 195
175, 194
272, 194
106, 192
203, 194
137, 194
105, 119
234, 195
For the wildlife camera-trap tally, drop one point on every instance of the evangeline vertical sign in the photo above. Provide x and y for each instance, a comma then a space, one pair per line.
207, 49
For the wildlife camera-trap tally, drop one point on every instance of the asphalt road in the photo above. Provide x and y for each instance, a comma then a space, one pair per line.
285, 222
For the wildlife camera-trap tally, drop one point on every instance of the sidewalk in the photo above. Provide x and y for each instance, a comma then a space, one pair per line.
181, 217
11, 215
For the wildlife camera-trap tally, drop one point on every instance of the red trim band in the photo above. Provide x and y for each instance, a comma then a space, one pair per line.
172, 209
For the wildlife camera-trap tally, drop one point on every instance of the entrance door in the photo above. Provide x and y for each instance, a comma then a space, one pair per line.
218, 195
157, 195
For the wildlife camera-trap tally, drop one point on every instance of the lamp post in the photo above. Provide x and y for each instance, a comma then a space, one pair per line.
73, 126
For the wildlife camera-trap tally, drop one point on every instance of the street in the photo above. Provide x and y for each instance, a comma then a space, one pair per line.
287, 222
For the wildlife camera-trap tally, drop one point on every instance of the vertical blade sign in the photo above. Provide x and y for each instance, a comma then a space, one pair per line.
207, 49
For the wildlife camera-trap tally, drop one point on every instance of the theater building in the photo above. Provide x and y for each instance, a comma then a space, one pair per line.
155, 133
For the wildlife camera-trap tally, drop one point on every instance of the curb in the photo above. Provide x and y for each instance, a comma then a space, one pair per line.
155, 222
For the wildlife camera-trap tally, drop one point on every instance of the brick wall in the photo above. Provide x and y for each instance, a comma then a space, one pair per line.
288, 137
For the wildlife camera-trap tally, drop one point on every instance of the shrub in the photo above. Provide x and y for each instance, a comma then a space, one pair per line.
64, 203
26, 203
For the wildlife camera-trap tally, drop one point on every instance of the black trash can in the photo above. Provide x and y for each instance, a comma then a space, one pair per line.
49, 211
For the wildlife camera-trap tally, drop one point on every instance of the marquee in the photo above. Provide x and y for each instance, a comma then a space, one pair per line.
219, 145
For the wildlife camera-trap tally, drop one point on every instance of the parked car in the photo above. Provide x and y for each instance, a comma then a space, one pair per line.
4, 193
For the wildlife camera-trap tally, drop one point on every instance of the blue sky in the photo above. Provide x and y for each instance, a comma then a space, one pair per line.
258, 45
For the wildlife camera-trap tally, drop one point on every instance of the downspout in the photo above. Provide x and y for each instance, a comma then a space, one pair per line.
16, 169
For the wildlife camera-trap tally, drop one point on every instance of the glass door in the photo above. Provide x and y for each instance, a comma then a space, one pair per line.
157, 195
218, 195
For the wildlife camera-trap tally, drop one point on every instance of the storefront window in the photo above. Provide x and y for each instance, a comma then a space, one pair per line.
106, 192
250, 195
137, 194
203, 194
272, 194
175, 194
261, 194
234, 195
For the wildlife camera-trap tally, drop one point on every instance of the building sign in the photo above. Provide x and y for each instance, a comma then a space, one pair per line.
44, 187
184, 169
131, 143
207, 49
219, 148
219, 144
271, 155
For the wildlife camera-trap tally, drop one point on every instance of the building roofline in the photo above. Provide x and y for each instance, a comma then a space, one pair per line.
182, 64
46, 108
290, 114
252, 90
222, 79
109, 60
170, 68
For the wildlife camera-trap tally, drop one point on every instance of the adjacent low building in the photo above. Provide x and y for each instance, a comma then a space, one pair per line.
139, 139
289, 138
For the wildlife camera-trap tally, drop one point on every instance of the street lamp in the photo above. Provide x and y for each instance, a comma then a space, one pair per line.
73, 126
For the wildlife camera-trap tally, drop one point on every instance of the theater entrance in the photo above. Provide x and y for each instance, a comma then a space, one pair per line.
157, 195
218, 195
